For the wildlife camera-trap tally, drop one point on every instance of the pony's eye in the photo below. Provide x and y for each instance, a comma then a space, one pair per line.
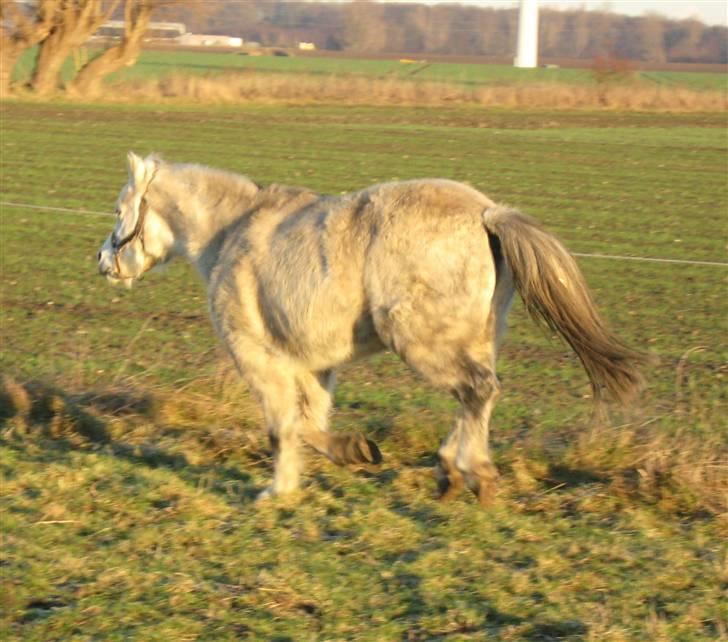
117, 211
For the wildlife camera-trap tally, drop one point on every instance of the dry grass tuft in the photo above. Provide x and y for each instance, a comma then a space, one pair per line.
680, 472
302, 89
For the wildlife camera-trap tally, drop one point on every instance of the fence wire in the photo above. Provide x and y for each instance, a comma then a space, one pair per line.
596, 255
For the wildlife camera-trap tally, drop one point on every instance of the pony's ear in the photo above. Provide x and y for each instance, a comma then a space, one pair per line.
140, 170
137, 169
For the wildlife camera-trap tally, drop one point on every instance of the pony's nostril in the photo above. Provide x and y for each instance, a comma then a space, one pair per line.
98, 256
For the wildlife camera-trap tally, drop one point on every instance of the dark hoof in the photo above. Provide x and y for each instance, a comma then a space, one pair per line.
449, 484
375, 455
448, 490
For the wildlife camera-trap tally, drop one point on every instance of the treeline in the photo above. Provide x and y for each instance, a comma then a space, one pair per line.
379, 28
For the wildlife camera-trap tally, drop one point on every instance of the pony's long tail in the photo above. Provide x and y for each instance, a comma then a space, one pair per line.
555, 293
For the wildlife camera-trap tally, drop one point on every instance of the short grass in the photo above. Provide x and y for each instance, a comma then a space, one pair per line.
130, 455
152, 64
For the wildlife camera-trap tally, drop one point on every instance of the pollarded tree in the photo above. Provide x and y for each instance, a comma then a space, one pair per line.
77, 20
22, 27
137, 14
74, 23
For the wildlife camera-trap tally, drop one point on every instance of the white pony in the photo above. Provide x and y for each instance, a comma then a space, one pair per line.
299, 283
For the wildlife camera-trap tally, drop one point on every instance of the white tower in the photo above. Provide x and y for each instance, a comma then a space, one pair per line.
527, 55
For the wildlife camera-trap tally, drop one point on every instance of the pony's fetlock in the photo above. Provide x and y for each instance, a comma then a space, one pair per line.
483, 482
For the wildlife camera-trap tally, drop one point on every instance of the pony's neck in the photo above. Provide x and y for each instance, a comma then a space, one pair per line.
206, 203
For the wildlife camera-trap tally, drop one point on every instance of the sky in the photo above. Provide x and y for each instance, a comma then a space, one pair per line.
712, 12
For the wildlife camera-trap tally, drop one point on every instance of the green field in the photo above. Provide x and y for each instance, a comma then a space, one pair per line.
130, 456
159, 63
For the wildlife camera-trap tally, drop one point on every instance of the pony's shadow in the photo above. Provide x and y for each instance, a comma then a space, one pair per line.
75, 427
66, 423
194, 474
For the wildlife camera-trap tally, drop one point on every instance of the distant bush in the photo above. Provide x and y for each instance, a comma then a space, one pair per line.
609, 69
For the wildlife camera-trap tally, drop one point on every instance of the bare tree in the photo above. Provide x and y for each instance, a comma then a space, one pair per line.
21, 28
137, 15
75, 21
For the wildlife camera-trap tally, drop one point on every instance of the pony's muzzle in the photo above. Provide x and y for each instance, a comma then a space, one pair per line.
105, 269
105, 259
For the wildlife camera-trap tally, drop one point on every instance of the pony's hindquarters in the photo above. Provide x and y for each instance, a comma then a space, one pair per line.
431, 282
554, 292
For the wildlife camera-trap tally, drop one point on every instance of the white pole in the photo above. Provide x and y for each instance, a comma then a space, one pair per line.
527, 55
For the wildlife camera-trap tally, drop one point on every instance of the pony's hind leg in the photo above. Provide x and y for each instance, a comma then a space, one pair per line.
315, 398
463, 456
460, 357
477, 395
449, 479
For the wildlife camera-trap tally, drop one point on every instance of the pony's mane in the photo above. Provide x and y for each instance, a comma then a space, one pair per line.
218, 180
186, 192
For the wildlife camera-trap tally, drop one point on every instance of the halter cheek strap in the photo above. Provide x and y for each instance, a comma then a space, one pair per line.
137, 232
117, 246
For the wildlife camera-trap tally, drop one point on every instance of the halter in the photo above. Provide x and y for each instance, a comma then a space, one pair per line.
118, 246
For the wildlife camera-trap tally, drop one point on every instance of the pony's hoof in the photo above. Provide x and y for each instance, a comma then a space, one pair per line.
375, 455
449, 485
448, 491
486, 495
484, 484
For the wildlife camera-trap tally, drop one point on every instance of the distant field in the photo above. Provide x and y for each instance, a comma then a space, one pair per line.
129, 455
155, 63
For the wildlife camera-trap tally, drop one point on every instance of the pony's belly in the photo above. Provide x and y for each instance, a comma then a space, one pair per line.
333, 343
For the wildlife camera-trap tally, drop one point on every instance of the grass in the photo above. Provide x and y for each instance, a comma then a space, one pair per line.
153, 63
130, 455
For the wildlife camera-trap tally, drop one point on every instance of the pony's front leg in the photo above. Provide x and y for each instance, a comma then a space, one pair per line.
278, 397
315, 394
271, 378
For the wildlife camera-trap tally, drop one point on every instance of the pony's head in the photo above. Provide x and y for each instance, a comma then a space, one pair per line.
141, 238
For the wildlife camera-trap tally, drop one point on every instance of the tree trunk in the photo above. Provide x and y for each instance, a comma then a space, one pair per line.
19, 31
77, 22
90, 77
53, 53
8, 57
